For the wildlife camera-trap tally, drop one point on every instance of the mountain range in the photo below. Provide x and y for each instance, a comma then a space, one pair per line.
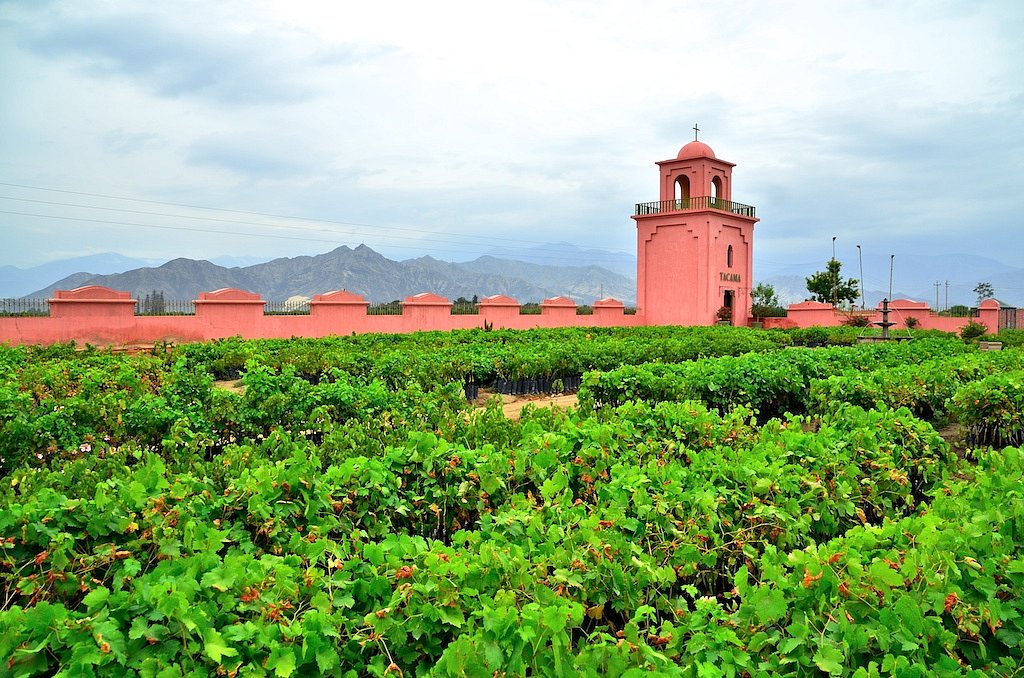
528, 274
914, 276
366, 272
567, 254
19, 282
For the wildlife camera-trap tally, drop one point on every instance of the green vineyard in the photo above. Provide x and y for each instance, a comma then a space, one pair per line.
721, 502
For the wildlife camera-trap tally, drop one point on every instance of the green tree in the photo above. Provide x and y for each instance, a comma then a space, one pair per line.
765, 302
984, 291
828, 285
153, 303
956, 311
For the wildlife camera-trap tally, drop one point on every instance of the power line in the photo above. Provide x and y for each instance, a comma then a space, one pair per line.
249, 213
334, 241
214, 219
167, 228
466, 239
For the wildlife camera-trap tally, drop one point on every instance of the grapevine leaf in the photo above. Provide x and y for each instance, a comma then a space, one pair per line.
326, 659
215, 647
95, 598
829, 659
282, 661
770, 604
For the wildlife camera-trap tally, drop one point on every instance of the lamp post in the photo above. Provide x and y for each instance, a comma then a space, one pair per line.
860, 256
892, 257
835, 281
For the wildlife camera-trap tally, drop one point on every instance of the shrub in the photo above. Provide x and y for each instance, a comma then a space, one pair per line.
811, 336
1010, 337
972, 331
763, 311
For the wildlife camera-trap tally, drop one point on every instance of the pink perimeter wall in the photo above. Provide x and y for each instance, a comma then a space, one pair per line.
106, 317
816, 313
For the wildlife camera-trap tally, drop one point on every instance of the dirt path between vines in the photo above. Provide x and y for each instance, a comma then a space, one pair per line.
954, 434
233, 385
513, 405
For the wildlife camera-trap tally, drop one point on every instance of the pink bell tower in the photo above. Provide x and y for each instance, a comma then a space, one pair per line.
694, 246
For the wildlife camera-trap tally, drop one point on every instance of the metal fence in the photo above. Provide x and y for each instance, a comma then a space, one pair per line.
1009, 319
286, 308
148, 306
389, 308
24, 307
958, 311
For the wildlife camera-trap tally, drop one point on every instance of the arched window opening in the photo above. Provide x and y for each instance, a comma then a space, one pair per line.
682, 192
728, 257
716, 189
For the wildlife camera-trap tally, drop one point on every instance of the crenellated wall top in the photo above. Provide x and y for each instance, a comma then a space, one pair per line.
426, 299
229, 295
558, 302
498, 300
92, 293
340, 297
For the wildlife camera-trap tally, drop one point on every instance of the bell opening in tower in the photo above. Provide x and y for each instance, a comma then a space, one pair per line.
682, 192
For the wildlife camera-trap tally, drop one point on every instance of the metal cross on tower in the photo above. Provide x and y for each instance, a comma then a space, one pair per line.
695, 130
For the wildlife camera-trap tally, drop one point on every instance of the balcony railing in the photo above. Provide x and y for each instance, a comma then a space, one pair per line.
701, 203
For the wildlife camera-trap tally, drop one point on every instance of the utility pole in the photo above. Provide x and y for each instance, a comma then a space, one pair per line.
937, 283
947, 296
860, 256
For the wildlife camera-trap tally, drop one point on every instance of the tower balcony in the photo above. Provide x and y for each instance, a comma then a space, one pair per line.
691, 204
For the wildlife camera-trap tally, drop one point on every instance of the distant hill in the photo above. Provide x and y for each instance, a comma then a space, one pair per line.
567, 254
793, 288
366, 272
17, 282
913, 277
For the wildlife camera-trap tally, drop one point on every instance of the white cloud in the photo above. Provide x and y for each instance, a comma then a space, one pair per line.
536, 122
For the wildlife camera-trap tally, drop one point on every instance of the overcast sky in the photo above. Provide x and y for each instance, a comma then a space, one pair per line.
451, 128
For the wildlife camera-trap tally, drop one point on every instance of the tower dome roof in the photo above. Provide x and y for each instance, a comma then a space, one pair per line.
695, 149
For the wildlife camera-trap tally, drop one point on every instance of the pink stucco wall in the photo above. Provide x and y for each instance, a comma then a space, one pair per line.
105, 317
815, 313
